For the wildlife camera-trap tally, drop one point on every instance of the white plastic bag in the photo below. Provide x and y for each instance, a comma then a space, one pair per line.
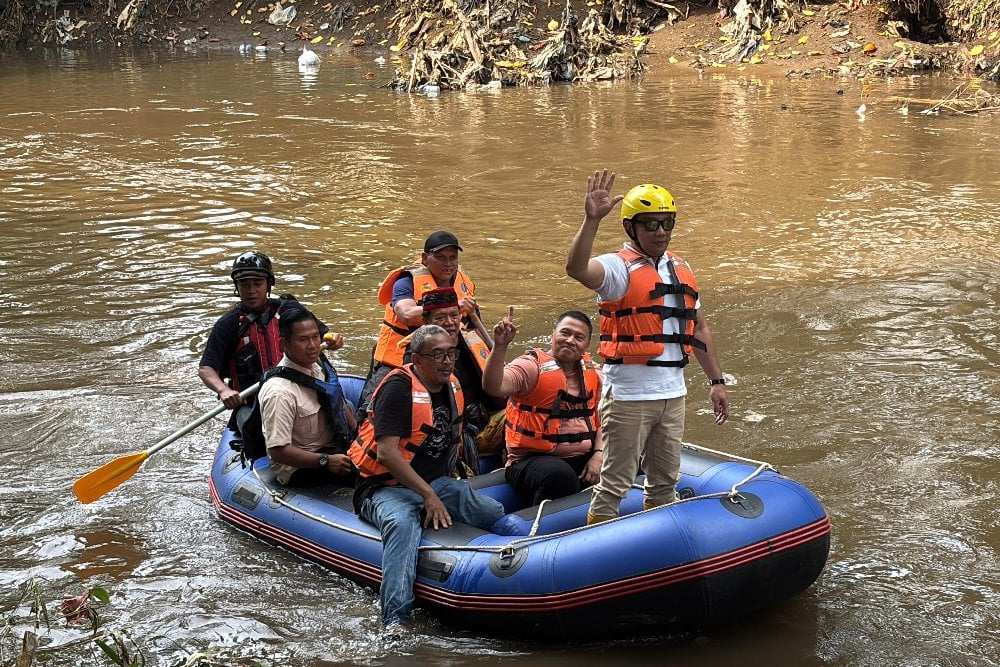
282, 16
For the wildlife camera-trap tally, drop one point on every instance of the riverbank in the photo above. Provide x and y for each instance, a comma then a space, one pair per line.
856, 39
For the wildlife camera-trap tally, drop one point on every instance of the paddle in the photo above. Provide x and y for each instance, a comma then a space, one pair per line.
95, 484
481, 329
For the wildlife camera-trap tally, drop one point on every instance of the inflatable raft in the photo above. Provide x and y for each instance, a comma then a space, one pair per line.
741, 537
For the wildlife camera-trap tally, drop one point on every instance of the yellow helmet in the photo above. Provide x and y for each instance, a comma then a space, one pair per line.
647, 198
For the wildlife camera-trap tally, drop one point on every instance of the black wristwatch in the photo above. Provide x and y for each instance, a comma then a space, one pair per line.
323, 460
712, 383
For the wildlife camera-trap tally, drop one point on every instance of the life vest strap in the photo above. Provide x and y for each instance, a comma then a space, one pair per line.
680, 339
399, 330
651, 362
662, 289
664, 312
555, 438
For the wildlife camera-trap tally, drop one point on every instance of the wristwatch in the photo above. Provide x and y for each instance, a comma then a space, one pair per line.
712, 383
323, 460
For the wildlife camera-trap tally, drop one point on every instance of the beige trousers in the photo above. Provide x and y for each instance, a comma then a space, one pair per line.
639, 433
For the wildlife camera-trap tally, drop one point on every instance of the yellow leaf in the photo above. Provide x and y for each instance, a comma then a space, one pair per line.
599, 2
754, 59
976, 50
794, 52
698, 45
765, 47
553, 25
256, 33
398, 47
238, 4
807, 12
233, 13
725, 40
899, 44
993, 35
815, 53
316, 40
803, 39
512, 64
784, 56
869, 48
719, 65
767, 35
672, 60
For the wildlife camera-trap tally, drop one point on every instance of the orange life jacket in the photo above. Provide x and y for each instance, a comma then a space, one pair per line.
257, 348
364, 451
632, 327
387, 350
533, 421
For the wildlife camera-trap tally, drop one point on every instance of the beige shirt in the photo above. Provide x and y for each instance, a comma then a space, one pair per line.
291, 414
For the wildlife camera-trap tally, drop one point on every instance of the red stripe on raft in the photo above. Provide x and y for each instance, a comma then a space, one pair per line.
544, 603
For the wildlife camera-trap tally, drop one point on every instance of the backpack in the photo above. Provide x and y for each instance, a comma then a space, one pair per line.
250, 441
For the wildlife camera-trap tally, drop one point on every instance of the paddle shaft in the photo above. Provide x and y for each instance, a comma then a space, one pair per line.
219, 409
481, 329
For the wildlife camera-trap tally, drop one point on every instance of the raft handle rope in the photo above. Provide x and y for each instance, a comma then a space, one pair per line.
513, 545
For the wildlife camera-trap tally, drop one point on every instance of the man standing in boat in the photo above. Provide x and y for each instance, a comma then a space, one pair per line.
553, 431
406, 453
651, 323
245, 341
401, 291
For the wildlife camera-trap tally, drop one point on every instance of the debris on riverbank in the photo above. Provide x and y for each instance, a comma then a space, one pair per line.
961, 100
455, 44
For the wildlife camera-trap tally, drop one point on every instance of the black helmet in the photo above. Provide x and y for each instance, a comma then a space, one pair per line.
253, 264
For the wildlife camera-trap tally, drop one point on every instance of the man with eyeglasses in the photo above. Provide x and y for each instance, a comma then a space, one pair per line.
400, 292
406, 454
652, 322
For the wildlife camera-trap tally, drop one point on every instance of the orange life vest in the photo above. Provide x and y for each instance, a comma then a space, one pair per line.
632, 327
533, 421
364, 450
387, 350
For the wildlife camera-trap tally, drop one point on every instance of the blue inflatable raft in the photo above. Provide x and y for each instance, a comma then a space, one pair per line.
741, 537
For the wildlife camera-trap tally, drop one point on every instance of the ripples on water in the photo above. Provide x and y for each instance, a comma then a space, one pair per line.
848, 270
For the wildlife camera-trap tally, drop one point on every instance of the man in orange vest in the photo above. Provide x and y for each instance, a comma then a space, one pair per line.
553, 432
406, 454
651, 323
401, 291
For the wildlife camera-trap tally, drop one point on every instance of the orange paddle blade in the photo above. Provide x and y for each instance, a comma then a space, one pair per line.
95, 484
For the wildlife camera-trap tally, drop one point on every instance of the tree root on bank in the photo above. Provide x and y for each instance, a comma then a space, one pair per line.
463, 44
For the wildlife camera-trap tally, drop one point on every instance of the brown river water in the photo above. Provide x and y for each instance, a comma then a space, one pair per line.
848, 266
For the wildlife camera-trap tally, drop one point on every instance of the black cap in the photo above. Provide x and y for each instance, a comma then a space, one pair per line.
440, 239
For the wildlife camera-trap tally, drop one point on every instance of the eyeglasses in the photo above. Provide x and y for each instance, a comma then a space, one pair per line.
440, 355
653, 225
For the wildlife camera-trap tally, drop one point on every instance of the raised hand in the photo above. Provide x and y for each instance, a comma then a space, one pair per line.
505, 330
599, 202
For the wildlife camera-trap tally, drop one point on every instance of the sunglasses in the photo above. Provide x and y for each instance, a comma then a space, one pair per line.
653, 225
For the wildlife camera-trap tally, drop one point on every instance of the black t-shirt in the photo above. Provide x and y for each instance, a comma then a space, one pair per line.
222, 341
392, 414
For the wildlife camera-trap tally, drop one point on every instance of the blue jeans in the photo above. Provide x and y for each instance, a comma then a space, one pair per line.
396, 512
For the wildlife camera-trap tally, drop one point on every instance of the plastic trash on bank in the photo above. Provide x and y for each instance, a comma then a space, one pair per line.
282, 16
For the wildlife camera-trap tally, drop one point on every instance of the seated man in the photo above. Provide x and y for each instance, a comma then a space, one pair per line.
400, 293
244, 342
406, 454
441, 307
306, 421
553, 432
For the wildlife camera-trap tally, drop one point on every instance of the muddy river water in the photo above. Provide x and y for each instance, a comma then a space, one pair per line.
848, 265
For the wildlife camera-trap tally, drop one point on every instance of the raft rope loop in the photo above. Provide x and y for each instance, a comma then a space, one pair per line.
278, 495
